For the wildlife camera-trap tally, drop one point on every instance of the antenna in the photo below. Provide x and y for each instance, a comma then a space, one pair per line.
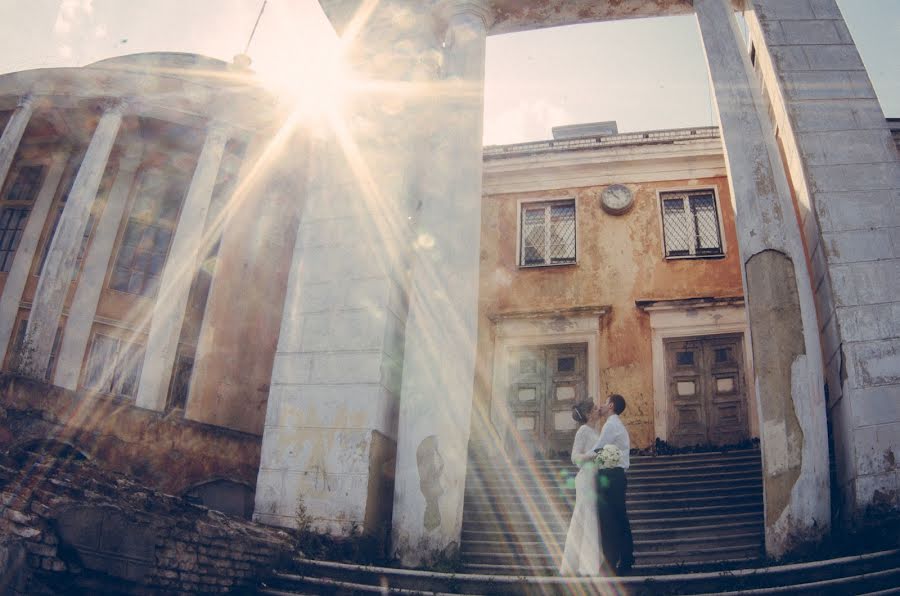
252, 33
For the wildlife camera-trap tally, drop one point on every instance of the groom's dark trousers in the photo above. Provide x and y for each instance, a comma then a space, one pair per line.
615, 529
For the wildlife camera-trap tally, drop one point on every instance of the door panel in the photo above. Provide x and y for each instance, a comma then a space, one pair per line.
545, 382
527, 394
706, 390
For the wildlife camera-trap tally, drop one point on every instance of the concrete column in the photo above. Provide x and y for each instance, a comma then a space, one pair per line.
331, 417
179, 272
783, 328
12, 134
93, 274
439, 366
57, 273
845, 168
21, 267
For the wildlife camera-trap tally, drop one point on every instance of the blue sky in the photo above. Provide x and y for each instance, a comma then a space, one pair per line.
645, 74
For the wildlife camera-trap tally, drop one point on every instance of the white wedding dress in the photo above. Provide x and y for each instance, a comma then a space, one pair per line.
582, 553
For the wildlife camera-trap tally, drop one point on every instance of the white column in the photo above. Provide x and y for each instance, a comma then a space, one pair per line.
21, 266
175, 284
93, 274
439, 363
12, 134
57, 273
783, 327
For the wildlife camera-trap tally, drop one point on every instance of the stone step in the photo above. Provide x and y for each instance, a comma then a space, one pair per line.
873, 573
661, 483
555, 544
662, 476
638, 514
685, 459
888, 579
738, 499
659, 492
638, 519
648, 470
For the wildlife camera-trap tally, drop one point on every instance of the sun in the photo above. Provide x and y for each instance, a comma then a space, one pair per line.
315, 85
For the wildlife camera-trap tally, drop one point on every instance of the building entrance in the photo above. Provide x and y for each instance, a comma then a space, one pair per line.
545, 382
706, 390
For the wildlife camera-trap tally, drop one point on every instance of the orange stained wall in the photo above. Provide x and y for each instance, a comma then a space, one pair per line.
620, 260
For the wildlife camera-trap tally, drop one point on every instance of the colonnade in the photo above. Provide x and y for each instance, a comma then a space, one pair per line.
53, 284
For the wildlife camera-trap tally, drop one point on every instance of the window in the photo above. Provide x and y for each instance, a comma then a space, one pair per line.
691, 224
548, 234
26, 184
114, 366
12, 224
148, 233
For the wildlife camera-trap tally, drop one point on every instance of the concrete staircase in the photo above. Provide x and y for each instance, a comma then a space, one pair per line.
685, 510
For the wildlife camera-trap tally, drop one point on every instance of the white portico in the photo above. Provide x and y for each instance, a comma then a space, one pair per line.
786, 348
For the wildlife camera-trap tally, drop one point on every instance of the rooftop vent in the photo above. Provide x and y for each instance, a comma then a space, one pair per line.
591, 129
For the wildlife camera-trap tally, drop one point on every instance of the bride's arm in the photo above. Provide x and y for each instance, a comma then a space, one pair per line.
581, 453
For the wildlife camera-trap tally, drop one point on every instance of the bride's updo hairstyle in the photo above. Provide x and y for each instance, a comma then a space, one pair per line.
582, 410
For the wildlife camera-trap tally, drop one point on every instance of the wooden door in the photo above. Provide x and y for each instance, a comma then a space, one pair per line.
706, 390
545, 382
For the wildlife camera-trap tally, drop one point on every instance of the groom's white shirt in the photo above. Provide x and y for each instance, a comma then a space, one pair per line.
614, 433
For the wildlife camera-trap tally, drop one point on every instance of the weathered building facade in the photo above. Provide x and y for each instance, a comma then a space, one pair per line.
325, 316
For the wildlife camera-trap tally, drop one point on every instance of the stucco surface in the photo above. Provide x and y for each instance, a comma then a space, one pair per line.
620, 260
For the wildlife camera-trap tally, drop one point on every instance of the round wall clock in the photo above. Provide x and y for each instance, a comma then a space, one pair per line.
616, 199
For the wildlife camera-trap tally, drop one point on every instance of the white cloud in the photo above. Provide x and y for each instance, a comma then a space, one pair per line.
69, 12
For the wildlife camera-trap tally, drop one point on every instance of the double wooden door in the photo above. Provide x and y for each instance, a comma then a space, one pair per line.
706, 390
545, 382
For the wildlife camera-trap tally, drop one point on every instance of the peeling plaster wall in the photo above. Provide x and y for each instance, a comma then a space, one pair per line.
620, 260
775, 304
167, 453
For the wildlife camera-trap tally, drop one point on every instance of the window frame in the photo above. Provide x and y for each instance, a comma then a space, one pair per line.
523, 204
26, 205
691, 190
128, 217
116, 384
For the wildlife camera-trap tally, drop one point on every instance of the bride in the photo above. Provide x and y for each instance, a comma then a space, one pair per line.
582, 554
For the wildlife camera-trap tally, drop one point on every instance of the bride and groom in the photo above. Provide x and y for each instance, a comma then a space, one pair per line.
599, 533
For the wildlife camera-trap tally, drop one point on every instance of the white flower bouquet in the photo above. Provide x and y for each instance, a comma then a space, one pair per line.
608, 457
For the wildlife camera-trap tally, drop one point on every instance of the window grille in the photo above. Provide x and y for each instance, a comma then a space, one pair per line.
12, 224
691, 224
26, 184
114, 366
548, 234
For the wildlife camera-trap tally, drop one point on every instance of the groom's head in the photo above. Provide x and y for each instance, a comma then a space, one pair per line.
615, 404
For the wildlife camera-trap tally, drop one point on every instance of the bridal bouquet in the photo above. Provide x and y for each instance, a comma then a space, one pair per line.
608, 457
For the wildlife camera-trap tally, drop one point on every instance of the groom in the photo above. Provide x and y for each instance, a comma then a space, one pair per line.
615, 529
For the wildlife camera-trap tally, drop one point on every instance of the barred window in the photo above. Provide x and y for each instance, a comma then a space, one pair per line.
26, 184
548, 234
12, 224
691, 224
114, 366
